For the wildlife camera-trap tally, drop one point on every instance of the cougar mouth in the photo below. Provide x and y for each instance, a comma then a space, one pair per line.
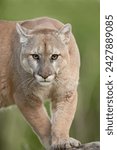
43, 81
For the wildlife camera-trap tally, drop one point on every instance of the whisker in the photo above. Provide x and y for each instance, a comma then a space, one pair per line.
58, 81
27, 81
30, 82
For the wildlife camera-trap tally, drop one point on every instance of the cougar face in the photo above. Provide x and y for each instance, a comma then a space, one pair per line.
44, 53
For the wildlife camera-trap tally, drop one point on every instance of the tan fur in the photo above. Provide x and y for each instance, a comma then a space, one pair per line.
30, 95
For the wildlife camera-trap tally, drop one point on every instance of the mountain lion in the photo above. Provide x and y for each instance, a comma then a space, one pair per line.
39, 60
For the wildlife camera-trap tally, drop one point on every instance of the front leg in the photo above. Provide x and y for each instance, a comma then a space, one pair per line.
63, 114
36, 115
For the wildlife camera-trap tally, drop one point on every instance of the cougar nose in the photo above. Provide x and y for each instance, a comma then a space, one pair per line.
45, 74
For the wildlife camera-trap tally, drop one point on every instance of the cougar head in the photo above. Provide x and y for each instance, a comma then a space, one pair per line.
44, 53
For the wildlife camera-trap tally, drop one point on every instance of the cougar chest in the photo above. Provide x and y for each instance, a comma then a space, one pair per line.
43, 93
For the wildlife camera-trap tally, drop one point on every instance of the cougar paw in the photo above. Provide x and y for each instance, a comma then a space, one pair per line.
64, 144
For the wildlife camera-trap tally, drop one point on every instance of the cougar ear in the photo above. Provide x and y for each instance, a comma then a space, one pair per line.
23, 32
64, 33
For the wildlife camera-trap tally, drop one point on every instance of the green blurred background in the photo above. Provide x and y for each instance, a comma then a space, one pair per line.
15, 133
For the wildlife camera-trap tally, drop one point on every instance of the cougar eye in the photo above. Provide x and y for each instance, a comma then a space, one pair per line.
35, 56
54, 56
